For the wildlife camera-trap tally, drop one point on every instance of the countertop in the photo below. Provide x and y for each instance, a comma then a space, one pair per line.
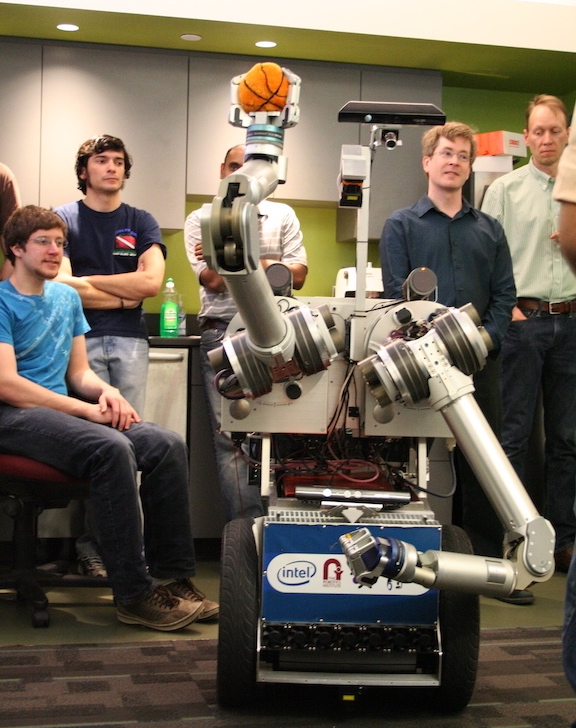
173, 342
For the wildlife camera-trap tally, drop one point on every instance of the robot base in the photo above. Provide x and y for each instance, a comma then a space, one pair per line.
290, 613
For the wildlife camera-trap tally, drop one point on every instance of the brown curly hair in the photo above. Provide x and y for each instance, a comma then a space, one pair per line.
97, 145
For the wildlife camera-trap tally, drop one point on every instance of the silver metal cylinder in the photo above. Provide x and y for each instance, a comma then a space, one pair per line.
256, 304
489, 463
467, 573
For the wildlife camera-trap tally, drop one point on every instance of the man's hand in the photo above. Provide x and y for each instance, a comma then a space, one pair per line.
517, 314
112, 409
209, 278
106, 291
128, 303
92, 298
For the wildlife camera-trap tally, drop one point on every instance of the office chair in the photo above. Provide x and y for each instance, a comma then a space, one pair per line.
27, 487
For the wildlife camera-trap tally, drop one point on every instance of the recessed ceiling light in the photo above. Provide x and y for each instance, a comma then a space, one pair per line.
68, 26
191, 37
266, 44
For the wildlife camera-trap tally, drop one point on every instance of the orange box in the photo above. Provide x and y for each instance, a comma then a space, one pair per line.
501, 142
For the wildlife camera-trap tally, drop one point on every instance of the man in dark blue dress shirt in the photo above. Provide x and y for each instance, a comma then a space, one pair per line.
468, 252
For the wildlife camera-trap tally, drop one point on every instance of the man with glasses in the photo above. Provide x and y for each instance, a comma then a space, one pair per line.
539, 351
467, 251
96, 435
115, 260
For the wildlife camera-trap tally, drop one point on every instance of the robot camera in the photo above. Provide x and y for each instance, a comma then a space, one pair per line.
385, 136
390, 139
385, 112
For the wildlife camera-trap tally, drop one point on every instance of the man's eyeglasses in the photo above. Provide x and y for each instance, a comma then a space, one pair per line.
45, 241
447, 154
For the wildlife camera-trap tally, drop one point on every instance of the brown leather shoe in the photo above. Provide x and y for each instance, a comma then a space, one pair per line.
563, 559
185, 589
160, 610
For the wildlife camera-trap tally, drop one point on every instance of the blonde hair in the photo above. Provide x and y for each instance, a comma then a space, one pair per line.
552, 102
452, 130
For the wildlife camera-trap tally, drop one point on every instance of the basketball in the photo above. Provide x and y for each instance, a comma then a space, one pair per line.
263, 88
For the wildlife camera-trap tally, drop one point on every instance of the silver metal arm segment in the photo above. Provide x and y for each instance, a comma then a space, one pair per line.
230, 225
273, 346
434, 368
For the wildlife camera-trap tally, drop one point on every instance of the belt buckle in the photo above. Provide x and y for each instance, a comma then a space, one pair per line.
556, 307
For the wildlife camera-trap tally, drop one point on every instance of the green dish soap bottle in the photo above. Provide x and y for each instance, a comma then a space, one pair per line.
169, 311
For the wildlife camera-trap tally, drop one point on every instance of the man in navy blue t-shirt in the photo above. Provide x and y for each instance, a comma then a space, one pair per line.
114, 259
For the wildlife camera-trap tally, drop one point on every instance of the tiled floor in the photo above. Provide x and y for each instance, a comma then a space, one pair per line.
87, 615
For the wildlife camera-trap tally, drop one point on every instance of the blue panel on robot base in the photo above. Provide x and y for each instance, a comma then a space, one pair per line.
306, 578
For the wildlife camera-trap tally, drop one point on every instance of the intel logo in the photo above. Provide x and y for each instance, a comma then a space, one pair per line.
296, 573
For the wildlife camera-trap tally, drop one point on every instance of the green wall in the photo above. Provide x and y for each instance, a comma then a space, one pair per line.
481, 109
486, 110
491, 110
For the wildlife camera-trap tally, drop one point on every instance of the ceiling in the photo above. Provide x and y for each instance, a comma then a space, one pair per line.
462, 65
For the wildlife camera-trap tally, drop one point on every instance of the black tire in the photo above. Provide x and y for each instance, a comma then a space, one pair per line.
459, 616
239, 615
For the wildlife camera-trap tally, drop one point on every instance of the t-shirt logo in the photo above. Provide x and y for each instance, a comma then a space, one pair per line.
125, 243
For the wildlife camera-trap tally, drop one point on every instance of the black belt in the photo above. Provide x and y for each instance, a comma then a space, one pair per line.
213, 324
534, 304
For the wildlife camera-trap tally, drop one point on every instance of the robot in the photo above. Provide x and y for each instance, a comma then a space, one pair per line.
340, 397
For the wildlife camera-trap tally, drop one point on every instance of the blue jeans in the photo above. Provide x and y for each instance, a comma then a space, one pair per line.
241, 500
111, 459
569, 635
541, 351
121, 361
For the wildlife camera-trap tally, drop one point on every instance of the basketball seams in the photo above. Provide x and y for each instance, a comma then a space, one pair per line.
274, 99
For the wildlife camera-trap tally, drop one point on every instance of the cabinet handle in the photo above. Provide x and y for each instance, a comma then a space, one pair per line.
153, 356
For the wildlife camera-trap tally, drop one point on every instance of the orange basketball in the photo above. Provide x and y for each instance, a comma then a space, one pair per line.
263, 88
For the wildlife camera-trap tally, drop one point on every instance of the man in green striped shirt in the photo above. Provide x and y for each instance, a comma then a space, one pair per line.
540, 346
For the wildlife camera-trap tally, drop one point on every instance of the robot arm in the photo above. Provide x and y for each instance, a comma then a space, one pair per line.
434, 368
370, 558
230, 227
273, 346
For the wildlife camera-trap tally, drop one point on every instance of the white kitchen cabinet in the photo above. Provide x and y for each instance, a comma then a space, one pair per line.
20, 89
139, 95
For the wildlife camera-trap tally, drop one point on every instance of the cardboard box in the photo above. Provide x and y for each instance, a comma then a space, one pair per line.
501, 142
